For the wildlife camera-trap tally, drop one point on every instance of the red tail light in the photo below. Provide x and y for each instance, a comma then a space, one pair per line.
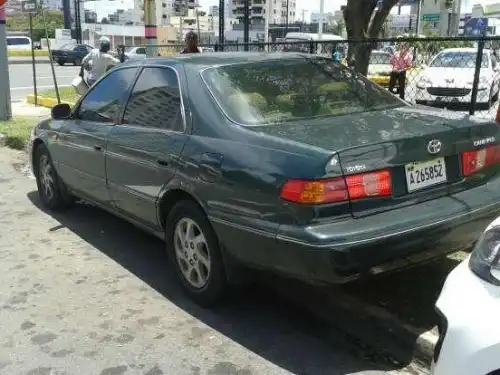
474, 161
339, 189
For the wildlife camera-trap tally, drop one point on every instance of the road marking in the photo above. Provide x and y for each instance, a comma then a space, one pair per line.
38, 87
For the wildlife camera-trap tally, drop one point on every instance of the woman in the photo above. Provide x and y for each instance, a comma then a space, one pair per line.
401, 61
99, 60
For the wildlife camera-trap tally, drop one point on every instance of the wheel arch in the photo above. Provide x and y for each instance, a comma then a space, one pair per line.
36, 143
170, 197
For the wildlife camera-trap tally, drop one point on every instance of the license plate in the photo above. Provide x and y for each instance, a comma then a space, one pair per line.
420, 175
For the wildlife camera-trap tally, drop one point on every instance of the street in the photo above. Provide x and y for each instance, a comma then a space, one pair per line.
87, 293
21, 78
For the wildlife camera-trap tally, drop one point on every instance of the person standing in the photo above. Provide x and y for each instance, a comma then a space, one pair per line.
401, 61
191, 41
99, 61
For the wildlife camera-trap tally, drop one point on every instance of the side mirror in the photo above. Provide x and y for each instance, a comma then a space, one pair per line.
61, 111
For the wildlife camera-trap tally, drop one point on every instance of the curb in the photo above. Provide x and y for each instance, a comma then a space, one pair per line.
27, 61
368, 325
45, 102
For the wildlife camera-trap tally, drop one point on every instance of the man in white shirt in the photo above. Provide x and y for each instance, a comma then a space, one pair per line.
99, 61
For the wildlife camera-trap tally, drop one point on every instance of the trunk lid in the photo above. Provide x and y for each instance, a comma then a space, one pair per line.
399, 140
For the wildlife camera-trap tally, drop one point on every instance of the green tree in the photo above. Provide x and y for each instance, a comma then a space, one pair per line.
20, 22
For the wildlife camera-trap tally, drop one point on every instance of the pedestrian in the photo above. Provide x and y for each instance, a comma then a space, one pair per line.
191, 41
99, 60
337, 55
401, 61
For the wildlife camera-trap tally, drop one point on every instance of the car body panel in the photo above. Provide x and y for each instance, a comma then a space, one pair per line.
71, 55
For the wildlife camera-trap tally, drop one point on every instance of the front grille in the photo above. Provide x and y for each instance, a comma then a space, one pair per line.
448, 91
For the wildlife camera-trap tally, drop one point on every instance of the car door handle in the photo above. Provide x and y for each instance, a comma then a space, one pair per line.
97, 147
163, 162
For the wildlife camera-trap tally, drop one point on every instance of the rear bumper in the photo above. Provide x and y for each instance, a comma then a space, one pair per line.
341, 251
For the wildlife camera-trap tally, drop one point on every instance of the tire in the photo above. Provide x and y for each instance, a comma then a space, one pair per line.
209, 286
77, 62
51, 190
61, 62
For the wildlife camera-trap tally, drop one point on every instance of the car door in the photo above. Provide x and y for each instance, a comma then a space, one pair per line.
82, 140
142, 151
80, 53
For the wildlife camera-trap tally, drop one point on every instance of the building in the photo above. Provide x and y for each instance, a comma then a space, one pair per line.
122, 17
328, 18
257, 11
213, 10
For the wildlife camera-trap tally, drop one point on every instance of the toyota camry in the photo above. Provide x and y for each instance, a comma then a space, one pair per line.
279, 162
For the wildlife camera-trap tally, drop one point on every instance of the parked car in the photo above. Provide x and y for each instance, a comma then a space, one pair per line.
71, 54
135, 53
18, 43
282, 162
379, 68
469, 305
450, 74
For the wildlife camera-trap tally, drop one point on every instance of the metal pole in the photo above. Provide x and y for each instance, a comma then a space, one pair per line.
150, 27
286, 19
50, 54
181, 23
246, 26
198, 24
321, 15
419, 12
475, 83
222, 25
33, 62
5, 104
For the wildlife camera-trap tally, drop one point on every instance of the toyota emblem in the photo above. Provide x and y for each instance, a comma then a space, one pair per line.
434, 147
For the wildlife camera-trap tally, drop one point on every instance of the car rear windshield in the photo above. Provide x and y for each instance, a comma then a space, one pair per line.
458, 59
380, 58
276, 91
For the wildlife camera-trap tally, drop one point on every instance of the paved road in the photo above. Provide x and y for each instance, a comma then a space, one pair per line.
21, 78
84, 293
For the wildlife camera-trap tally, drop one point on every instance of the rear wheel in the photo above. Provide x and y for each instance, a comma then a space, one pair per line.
51, 190
61, 62
195, 254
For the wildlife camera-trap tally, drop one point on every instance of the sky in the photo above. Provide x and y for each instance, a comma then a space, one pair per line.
105, 7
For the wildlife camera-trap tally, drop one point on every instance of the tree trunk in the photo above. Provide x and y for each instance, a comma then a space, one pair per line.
363, 21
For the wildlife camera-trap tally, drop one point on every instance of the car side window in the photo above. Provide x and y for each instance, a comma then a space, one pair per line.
155, 101
104, 101
141, 51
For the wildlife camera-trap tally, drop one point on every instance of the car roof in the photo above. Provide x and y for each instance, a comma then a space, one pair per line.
209, 59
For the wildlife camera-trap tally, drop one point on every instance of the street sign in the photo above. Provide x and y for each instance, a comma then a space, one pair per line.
2, 3
476, 27
29, 6
431, 17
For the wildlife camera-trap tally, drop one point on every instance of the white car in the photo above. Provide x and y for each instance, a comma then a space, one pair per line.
135, 53
469, 308
450, 74
18, 43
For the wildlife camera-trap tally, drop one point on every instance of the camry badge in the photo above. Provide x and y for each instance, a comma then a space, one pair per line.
434, 147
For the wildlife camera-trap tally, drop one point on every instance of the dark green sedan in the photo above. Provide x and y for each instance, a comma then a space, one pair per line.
279, 162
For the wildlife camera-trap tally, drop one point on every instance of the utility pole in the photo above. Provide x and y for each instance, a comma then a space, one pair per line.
302, 12
222, 25
286, 19
266, 22
246, 24
150, 27
5, 104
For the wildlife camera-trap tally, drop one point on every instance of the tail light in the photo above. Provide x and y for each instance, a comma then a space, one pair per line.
339, 189
474, 161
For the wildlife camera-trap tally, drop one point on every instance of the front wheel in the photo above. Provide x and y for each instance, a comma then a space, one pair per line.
77, 62
51, 190
195, 253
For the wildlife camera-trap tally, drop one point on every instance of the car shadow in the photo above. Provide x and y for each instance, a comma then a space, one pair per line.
257, 317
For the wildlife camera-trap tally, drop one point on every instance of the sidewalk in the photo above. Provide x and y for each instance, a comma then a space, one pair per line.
23, 109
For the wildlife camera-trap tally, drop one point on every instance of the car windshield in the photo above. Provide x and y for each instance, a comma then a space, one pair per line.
458, 59
380, 58
276, 91
68, 47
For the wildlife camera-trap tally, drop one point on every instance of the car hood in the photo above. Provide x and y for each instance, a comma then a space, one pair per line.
374, 69
341, 132
451, 76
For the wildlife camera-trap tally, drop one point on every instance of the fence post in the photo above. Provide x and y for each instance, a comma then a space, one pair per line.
311, 47
475, 83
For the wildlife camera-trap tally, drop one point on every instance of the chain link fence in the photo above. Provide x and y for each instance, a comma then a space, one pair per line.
455, 74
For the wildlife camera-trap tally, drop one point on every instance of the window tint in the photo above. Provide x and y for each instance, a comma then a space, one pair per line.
141, 51
269, 92
104, 101
155, 101
17, 41
458, 59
